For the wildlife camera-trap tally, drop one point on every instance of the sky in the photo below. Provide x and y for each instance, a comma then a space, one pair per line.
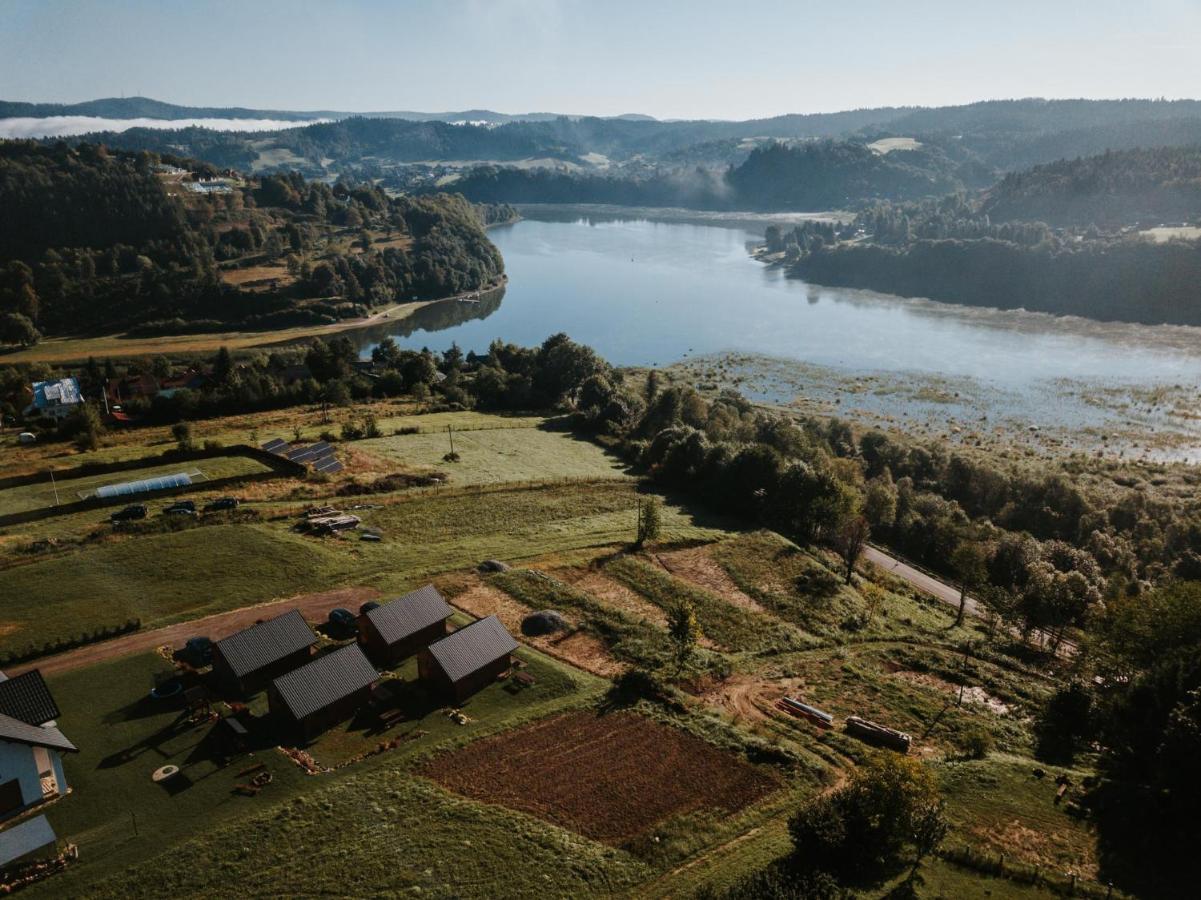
666, 58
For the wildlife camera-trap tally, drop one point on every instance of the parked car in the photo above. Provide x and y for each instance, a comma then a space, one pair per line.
222, 503
181, 508
197, 652
367, 607
342, 622
133, 511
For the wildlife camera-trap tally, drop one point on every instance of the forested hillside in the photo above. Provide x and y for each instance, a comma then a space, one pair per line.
92, 240
1152, 185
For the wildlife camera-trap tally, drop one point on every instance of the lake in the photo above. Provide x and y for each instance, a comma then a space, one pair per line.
644, 291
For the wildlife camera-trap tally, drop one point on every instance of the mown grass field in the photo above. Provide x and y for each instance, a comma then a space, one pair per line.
498, 453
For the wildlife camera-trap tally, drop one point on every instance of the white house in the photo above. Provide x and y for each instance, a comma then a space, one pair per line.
31, 746
55, 399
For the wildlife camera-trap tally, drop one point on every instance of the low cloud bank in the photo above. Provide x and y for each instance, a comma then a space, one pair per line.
66, 126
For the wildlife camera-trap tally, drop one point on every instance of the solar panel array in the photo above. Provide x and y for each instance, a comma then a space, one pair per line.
145, 485
320, 456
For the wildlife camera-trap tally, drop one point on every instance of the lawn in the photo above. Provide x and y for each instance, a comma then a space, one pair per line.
497, 453
159, 579
119, 818
426, 725
42, 494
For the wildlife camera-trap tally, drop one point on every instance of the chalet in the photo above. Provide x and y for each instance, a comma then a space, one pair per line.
323, 692
122, 390
31, 746
55, 399
248, 660
397, 630
467, 660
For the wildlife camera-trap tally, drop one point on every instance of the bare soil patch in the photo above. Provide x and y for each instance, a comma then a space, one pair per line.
975, 695
609, 777
695, 565
576, 647
751, 698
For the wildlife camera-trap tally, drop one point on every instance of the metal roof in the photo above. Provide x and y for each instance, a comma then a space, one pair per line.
65, 391
473, 647
34, 735
24, 838
316, 685
27, 698
265, 643
162, 483
397, 620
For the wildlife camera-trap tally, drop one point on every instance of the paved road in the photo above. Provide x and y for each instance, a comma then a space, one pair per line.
315, 607
919, 579
949, 594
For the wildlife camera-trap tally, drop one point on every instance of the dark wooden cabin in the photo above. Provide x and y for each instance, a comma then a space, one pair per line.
467, 660
247, 661
324, 692
394, 631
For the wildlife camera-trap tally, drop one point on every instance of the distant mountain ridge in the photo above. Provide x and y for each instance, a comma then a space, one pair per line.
149, 108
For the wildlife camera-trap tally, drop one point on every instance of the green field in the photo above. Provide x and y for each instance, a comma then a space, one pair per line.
119, 818
70, 490
166, 578
495, 452
777, 621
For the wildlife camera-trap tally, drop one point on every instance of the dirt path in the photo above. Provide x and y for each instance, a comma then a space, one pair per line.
315, 608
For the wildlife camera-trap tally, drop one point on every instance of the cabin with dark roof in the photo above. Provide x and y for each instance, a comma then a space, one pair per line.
247, 661
31, 746
395, 631
324, 692
467, 660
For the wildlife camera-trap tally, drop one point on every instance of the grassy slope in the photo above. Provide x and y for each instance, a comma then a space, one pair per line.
387, 819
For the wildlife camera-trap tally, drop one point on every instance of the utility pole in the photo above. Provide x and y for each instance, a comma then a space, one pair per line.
451, 434
54, 486
967, 646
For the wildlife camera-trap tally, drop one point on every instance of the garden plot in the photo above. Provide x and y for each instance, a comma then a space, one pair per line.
609, 777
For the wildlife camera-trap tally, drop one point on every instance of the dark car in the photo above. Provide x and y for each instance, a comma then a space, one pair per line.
367, 607
343, 622
222, 503
197, 652
181, 508
133, 511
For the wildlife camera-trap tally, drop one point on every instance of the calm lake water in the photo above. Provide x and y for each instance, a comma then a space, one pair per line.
644, 291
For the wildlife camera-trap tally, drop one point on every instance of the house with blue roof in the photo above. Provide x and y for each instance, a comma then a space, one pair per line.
55, 399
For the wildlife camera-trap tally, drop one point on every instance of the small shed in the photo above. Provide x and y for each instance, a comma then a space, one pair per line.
323, 692
395, 631
248, 660
467, 660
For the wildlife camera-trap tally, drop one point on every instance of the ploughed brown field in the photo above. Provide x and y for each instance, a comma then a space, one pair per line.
609, 777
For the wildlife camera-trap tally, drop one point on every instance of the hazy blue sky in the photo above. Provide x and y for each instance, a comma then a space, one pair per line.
689, 58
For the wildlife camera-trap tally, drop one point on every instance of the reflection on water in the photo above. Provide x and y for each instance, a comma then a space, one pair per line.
652, 292
430, 318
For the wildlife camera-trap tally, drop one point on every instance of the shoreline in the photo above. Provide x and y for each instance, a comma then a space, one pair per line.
76, 350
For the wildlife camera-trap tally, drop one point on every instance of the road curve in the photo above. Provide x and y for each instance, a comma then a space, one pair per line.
940, 590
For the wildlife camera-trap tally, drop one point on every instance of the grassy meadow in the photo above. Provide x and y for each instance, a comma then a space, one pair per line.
778, 620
